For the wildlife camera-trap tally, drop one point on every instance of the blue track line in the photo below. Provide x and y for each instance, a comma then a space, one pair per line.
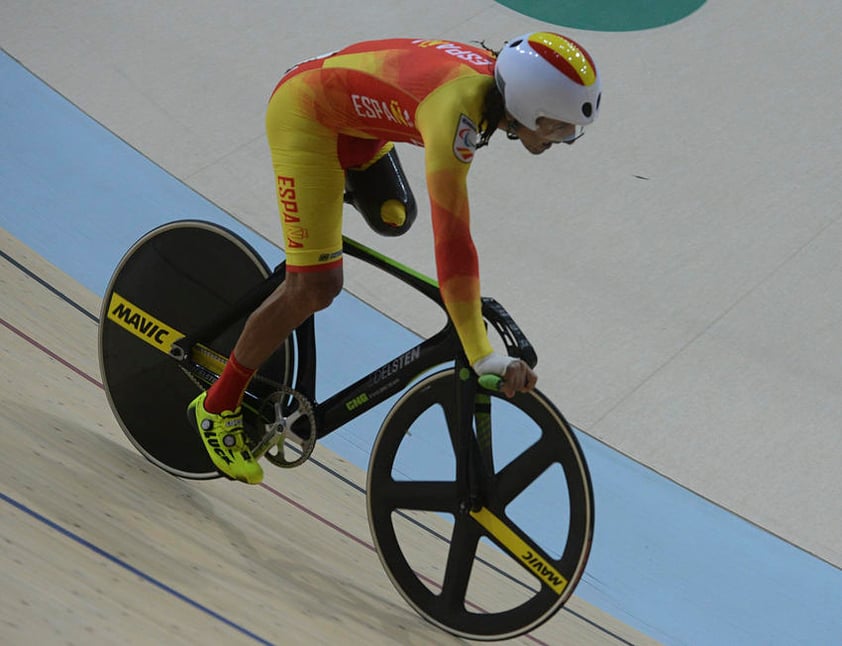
130, 568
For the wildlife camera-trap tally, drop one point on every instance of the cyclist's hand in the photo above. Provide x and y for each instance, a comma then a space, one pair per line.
519, 377
514, 375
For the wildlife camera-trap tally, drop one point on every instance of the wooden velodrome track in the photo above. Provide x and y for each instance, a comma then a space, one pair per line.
692, 322
100, 547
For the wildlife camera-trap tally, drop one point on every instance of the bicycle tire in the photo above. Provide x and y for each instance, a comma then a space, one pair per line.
180, 274
435, 573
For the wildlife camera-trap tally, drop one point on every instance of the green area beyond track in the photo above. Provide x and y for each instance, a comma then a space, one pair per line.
606, 15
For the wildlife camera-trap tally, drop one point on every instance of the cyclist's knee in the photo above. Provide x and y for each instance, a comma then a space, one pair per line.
324, 291
381, 193
316, 290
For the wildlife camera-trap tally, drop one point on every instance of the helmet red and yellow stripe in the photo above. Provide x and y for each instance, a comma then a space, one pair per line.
565, 55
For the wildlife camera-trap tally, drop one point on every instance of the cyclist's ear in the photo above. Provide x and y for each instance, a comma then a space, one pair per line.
381, 193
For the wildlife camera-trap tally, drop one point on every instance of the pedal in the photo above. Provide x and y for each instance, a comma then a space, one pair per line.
280, 445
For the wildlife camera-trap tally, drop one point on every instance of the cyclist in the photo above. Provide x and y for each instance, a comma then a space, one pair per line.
330, 124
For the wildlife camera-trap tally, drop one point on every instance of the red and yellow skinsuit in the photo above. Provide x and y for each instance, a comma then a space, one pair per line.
339, 110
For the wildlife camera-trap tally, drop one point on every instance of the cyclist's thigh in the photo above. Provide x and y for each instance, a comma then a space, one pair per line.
309, 179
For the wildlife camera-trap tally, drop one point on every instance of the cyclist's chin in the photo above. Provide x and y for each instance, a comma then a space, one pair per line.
536, 148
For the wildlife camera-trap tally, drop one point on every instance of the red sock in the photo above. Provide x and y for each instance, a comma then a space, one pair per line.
227, 392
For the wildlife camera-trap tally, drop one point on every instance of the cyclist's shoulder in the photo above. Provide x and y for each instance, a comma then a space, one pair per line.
453, 104
460, 77
465, 94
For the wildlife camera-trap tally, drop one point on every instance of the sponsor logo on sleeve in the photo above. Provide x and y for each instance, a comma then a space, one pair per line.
465, 141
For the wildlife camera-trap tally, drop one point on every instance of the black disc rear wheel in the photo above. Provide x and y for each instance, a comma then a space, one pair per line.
176, 278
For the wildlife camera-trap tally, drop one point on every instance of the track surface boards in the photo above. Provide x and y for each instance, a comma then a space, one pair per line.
102, 547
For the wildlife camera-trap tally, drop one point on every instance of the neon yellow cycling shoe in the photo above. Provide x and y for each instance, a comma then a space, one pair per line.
225, 441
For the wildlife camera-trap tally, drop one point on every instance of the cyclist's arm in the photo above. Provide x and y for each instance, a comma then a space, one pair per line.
442, 122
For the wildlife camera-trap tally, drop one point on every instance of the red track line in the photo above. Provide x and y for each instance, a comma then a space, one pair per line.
50, 353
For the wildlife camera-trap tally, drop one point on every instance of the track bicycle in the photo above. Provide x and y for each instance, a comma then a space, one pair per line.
480, 507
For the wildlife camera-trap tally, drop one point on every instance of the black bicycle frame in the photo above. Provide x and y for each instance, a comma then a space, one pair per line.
393, 376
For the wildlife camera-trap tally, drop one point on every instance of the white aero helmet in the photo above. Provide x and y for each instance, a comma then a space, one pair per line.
543, 74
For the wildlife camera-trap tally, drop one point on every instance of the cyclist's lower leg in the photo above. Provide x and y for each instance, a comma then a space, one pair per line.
217, 413
296, 299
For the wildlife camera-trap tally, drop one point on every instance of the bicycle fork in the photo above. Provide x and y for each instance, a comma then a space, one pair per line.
475, 463
478, 493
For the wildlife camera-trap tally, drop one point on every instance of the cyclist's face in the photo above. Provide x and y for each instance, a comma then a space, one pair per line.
547, 133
